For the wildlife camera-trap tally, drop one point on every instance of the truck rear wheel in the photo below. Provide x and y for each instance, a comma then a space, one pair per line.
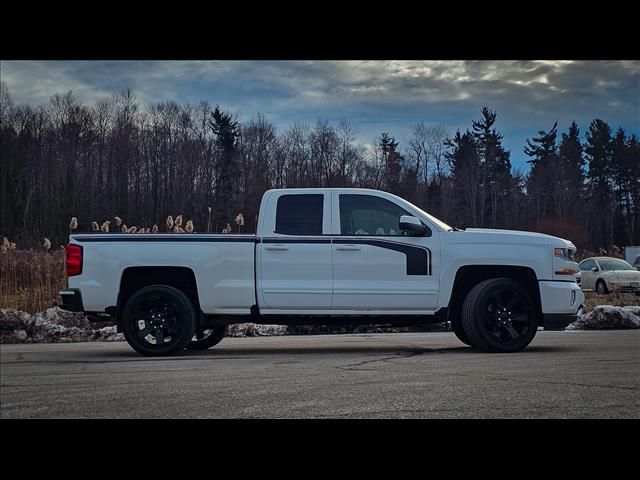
207, 338
499, 315
158, 320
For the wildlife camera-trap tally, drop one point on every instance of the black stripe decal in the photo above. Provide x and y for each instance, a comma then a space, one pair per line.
293, 240
418, 258
156, 238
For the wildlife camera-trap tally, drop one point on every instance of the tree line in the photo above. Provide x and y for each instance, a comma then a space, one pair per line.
113, 158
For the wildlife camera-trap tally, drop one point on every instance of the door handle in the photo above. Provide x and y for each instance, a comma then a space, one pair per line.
277, 247
348, 248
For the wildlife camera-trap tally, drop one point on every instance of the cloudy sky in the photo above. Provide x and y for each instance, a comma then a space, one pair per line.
376, 96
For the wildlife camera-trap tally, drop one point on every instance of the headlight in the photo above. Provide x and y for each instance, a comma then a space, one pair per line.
566, 265
565, 252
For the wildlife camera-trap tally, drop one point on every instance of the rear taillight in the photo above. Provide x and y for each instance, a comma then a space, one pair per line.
74, 260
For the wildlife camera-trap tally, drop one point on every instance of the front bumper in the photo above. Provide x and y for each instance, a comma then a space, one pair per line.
71, 300
561, 303
558, 321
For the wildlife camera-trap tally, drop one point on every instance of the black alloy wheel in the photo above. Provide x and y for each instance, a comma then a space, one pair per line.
499, 315
207, 338
158, 320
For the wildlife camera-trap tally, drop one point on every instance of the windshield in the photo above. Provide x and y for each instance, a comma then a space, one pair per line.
440, 223
614, 264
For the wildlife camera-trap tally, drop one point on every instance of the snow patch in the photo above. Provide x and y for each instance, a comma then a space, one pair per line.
255, 330
608, 317
50, 326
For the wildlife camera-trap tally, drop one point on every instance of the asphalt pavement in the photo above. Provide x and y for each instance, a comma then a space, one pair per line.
574, 374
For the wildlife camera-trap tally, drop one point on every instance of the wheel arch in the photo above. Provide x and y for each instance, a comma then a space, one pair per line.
136, 278
470, 275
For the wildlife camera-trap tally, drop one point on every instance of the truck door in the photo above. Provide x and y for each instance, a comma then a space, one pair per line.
295, 253
376, 266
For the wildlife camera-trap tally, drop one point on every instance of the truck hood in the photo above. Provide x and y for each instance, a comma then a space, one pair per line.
490, 235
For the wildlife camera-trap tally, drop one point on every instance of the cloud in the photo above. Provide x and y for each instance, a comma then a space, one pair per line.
376, 95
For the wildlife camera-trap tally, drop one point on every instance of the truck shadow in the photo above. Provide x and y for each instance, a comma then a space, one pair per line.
462, 350
274, 350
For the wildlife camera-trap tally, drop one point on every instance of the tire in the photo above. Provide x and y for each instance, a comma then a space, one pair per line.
601, 288
499, 315
458, 329
157, 313
209, 338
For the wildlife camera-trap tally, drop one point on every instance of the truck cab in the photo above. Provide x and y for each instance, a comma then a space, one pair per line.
345, 252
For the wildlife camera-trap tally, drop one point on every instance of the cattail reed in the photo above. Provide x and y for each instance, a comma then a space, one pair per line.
155, 228
209, 221
189, 226
239, 221
169, 223
46, 244
95, 227
118, 221
178, 222
105, 226
73, 224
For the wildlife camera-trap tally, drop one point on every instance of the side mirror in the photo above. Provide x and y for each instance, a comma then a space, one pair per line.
412, 224
594, 269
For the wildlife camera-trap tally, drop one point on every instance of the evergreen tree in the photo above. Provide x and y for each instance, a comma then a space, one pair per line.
464, 162
598, 149
633, 169
541, 183
571, 162
622, 169
226, 131
392, 163
496, 177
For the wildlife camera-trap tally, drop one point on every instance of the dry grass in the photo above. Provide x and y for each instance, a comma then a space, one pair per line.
30, 279
592, 300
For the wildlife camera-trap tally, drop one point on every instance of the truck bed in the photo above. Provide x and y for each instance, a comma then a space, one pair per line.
223, 265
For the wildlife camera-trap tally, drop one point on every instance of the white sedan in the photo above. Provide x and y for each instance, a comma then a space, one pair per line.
605, 274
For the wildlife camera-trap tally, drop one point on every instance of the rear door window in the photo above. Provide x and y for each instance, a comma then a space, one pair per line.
299, 214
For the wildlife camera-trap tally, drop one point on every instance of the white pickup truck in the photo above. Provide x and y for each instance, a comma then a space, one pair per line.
325, 256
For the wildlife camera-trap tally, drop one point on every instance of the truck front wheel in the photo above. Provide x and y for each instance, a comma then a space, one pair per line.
499, 315
456, 326
158, 320
207, 338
